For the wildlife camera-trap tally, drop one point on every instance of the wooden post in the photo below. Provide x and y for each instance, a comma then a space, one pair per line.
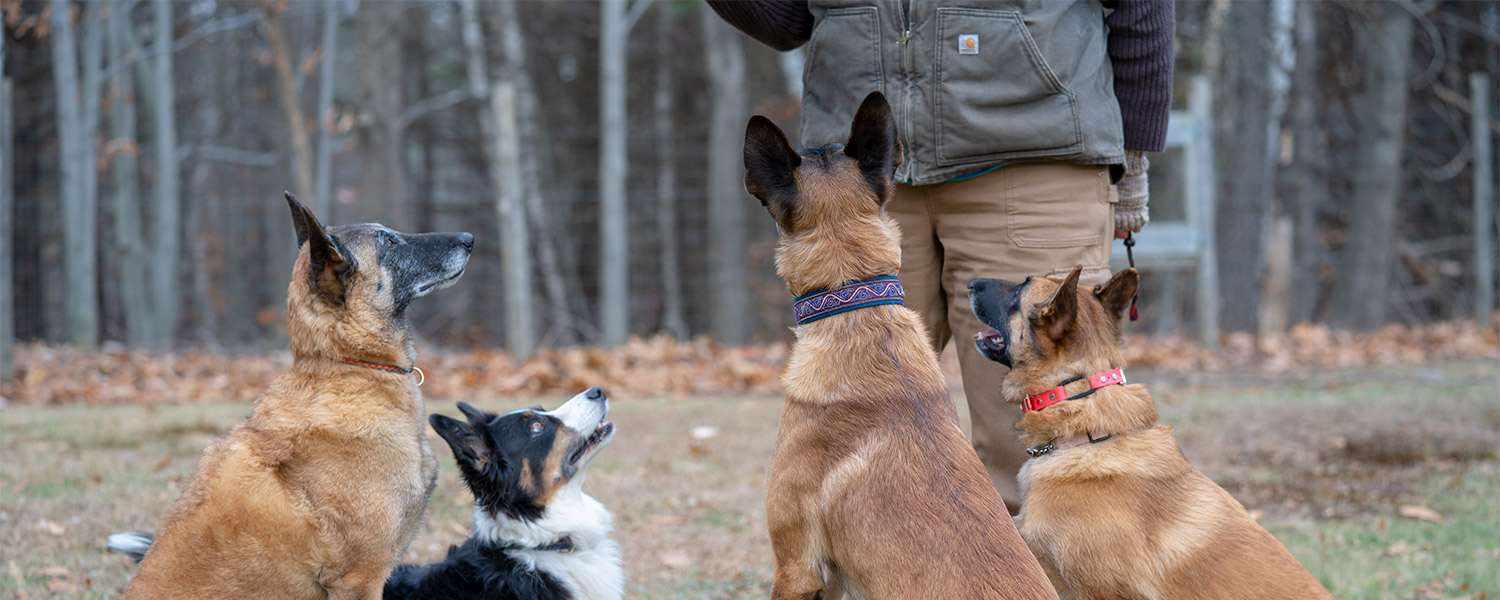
1484, 199
1200, 104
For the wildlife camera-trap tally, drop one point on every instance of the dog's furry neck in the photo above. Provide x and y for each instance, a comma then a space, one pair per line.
321, 333
591, 571
826, 256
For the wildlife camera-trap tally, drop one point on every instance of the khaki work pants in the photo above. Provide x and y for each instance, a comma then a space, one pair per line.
1024, 219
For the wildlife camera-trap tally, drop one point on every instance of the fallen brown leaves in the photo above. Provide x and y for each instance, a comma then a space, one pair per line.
63, 375
1315, 346
660, 365
1420, 513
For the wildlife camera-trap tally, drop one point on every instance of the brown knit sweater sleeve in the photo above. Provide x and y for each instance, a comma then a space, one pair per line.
780, 24
1140, 48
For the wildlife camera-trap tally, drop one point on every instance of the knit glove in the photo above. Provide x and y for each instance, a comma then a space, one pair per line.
1131, 213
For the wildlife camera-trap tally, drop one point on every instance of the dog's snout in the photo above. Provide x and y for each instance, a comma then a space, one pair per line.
594, 393
467, 239
974, 283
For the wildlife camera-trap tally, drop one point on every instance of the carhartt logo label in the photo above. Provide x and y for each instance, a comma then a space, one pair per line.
968, 43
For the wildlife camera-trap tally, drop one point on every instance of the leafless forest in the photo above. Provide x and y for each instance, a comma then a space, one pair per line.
594, 151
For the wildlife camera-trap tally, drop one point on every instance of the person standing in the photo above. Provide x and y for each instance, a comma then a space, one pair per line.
1024, 125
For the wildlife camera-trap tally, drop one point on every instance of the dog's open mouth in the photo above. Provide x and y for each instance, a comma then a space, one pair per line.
990, 339
598, 438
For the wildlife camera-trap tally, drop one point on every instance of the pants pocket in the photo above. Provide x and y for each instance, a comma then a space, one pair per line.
1058, 205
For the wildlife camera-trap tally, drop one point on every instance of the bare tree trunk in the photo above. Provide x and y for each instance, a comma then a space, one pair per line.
7, 228
1245, 201
130, 249
167, 234
614, 259
503, 154
1359, 300
561, 295
1275, 300
81, 298
728, 207
381, 187
1307, 174
323, 187
296, 123
673, 320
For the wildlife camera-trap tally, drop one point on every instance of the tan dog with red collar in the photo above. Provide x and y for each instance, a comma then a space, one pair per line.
1110, 506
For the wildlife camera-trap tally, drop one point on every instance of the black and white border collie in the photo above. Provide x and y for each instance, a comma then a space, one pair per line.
537, 535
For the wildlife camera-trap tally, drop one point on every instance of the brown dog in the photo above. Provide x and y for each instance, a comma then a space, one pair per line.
1110, 506
319, 491
873, 489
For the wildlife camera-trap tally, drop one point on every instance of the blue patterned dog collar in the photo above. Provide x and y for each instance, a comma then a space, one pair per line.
875, 291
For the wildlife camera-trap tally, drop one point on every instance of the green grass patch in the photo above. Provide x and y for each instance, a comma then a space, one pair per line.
1394, 557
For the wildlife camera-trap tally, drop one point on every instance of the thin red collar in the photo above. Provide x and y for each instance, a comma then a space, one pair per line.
1058, 394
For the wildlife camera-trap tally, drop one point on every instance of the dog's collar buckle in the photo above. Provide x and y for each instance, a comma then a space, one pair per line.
1059, 394
860, 293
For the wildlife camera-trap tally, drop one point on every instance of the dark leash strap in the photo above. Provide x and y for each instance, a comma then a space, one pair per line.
1130, 255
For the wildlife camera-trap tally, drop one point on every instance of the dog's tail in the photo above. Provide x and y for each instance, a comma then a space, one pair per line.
131, 543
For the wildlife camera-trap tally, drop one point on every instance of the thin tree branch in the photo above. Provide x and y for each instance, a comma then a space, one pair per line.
634, 13
239, 156
1451, 96
244, 19
426, 106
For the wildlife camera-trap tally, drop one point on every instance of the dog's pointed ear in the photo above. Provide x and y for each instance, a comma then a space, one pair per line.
474, 415
1062, 311
299, 217
466, 443
873, 144
1116, 293
770, 169
322, 254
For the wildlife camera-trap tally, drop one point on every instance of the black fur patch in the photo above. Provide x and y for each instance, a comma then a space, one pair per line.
994, 302
874, 146
492, 451
476, 571
770, 170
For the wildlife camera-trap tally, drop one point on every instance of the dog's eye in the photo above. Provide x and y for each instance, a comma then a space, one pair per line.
537, 427
390, 242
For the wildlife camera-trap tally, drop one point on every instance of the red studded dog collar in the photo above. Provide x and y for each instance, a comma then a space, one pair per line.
1058, 394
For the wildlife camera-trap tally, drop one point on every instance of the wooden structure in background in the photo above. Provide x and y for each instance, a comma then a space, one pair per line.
1189, 242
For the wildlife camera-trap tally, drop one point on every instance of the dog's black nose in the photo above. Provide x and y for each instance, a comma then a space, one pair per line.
594, 393
467, 239
973, 283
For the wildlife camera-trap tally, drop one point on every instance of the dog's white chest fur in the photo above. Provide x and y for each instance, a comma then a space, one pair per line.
592, 570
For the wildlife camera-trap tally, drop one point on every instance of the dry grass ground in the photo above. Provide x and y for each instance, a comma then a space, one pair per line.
1327, 462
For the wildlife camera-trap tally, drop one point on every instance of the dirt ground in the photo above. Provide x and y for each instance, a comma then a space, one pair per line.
1327, 462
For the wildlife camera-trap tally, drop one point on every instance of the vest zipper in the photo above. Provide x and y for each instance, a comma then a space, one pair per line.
906, 69
905, 21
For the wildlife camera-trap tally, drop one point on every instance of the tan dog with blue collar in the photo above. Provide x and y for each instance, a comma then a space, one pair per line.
873, 489
1109, 504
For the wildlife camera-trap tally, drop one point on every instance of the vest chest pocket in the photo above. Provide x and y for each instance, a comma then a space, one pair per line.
996, 97
843, 66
